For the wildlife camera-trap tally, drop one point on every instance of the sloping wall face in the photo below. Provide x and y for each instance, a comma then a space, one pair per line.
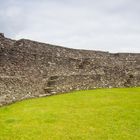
31, 69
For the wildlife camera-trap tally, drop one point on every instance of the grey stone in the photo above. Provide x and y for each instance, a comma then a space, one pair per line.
32, 69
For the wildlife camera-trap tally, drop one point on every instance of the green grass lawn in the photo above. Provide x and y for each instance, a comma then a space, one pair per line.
102, 114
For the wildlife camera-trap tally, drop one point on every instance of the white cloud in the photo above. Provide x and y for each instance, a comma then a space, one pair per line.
85, 24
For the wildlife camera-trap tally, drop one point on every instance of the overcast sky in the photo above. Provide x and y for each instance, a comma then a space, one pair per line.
107, 25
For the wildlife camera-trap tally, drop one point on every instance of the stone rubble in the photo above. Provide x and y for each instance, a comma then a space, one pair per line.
32, 69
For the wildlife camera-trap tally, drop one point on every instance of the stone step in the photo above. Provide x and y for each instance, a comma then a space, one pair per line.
50, 83
54, 77
50, 90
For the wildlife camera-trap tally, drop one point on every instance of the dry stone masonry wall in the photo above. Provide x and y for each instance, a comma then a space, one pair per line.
31, 69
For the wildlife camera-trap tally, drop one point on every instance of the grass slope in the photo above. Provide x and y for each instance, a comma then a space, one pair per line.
103, 114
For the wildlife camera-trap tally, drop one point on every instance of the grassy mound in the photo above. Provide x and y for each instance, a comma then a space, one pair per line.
103, 114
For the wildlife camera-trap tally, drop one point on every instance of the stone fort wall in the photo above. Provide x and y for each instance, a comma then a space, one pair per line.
32, 69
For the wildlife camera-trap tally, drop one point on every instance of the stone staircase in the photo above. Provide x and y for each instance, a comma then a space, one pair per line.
51, 85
